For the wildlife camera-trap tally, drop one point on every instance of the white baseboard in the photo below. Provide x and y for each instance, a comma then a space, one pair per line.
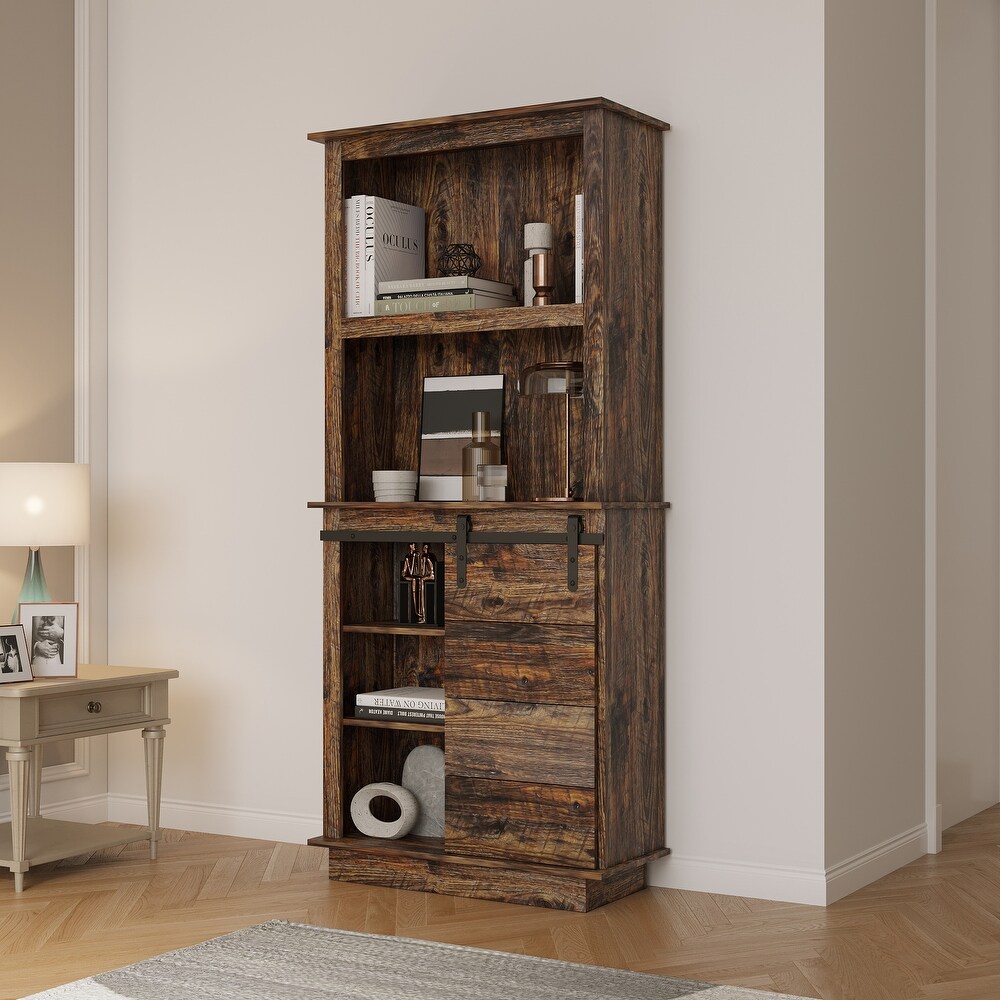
816, 887
90, 809
790, 885
869, 866
201, 818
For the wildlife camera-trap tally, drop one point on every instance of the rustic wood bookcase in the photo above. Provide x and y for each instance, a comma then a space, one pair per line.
551, 653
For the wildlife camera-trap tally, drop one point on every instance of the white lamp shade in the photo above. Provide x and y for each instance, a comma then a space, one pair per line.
44, 503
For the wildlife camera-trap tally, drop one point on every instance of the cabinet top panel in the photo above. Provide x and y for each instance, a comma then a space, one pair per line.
480, 117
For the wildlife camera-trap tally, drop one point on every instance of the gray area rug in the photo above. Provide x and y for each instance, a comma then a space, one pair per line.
284, 961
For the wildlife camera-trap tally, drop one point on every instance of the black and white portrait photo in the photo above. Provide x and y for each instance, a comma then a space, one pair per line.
51, 630
14, 658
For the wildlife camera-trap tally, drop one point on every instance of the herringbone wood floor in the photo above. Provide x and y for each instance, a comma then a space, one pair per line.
930, 931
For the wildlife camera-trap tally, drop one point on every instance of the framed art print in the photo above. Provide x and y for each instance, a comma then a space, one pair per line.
51, 632
446, 428
14, 660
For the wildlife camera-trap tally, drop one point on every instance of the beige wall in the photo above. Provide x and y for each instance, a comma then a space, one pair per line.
36, 257
216, 387
36, 266
874, 428
968, 443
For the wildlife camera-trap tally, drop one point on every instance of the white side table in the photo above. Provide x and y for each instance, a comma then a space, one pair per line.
98, 701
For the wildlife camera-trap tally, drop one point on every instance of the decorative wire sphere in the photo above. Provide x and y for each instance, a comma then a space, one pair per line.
459, 258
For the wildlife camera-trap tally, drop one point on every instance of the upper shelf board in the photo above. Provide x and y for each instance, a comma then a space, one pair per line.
559, 107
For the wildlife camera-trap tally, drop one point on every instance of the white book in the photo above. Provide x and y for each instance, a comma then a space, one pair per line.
444, 283
353, 254
404, 697
394, 245
578, 246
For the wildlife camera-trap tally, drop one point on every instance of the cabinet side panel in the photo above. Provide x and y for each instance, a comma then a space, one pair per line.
633, 310
334, 311
595, 292
333, 814
630, 709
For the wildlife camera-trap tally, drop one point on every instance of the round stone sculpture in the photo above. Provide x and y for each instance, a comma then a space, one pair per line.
423, 775
371, 826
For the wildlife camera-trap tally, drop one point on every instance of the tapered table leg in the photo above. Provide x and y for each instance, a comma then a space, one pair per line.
17, 768
35, 781
152, 738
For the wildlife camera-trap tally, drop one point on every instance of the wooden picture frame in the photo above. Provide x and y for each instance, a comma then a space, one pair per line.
15, 663
52, 632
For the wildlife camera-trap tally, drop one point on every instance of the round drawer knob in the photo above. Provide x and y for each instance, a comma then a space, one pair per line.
93, 707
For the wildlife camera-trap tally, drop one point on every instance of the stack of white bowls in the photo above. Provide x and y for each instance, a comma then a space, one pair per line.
394, 485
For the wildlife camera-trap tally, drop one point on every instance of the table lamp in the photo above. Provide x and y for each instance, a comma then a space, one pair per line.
555, 378
43, 503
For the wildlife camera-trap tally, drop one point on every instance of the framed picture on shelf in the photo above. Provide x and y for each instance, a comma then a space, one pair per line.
15, 663
51, 631
446, 428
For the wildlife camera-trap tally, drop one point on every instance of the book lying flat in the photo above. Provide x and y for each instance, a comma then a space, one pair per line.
397, 714
423, 293
426, 698
441, 303
446, 282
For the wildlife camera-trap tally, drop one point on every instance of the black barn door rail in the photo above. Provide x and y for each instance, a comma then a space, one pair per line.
463, 536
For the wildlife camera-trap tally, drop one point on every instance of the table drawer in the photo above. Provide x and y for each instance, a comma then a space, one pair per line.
120, 706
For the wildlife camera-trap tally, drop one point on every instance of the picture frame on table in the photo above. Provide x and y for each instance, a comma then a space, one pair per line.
15, 663
51, 631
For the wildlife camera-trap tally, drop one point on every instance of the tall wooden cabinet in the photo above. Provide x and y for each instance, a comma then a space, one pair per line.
551, 651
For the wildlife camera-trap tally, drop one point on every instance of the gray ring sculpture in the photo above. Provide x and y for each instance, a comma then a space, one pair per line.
369, 825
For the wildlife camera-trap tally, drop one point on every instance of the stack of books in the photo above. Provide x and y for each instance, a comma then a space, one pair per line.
406, 704
385, 239
417, 295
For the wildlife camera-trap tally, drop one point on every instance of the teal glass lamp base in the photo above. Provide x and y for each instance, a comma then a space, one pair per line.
34, 589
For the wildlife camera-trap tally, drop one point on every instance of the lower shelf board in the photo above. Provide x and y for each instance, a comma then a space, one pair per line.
424, 864
54, 839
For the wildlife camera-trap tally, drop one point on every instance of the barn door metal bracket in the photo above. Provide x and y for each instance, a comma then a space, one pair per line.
573, 538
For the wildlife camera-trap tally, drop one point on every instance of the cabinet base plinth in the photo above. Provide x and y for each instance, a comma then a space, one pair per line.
559, 889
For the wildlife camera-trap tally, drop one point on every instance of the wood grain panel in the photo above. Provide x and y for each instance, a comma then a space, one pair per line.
522, 583
333, 696
461, 135
532, 663
552, 824
544, 744
630, 714
542, 888
632, 421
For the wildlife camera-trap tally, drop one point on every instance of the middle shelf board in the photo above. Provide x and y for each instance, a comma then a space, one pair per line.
463, 321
